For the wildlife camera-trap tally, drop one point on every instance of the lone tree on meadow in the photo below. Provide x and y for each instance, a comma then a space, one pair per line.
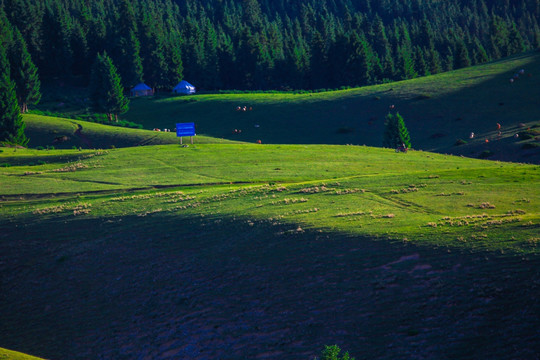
11, 122
106, 91
395, 132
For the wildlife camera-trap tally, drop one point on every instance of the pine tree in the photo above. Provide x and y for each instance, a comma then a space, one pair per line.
24, 73
499, 37
434, 61
252, 14
420, 65
462, 58
395, 132
56, 55
403, 132
128, 48
152, 50
359, 63
479, 53
175, 68
318, 61
106, 91
515, 41
11, 122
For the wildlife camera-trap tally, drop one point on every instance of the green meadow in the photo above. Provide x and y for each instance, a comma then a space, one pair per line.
418, 196
121, 243
439, 111
13, 355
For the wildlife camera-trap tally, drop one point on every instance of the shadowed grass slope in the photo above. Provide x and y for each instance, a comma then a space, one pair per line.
439, 110
196, 283
67, 133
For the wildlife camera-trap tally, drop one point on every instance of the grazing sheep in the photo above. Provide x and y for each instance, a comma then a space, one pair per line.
60, 139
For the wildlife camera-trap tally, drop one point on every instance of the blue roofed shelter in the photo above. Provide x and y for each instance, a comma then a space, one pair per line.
184, 87
141, 90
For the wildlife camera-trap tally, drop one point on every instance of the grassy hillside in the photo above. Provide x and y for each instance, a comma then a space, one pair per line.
439, 110
225, 249
267, 251
67, 133
13, 355
361, 190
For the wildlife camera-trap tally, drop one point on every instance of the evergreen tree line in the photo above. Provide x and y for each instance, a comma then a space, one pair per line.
271, 44
19, 82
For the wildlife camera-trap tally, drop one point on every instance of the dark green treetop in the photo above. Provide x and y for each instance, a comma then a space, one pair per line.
11, 123
395, 132
106, 91
24, 73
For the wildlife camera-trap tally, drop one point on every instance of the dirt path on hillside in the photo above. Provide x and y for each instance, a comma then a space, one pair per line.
83, 137
171, 288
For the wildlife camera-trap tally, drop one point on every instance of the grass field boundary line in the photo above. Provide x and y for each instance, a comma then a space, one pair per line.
24, 197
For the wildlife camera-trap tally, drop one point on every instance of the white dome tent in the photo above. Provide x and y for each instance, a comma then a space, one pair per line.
184, 87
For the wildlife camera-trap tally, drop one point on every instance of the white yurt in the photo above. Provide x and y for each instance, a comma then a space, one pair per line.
184, 87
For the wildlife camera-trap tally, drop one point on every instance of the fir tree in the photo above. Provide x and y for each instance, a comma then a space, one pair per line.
11, 123
128, 48
106, 91
462, 58
395, 132
318, 61
24, 73
516, 43
175, 68
359, 64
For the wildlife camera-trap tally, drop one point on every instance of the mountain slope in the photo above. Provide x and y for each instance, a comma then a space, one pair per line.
438, 111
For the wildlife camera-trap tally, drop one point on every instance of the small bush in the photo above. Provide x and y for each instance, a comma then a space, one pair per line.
40, 148
345, 130
5, 165
41, 162
437, 136
485, 154
422, 97
460, 142
525, 135
530, 146
332, 353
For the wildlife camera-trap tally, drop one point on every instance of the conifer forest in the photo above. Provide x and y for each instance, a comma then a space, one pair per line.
267, 44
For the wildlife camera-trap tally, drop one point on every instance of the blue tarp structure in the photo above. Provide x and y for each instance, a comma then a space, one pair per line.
141, 90
184, 87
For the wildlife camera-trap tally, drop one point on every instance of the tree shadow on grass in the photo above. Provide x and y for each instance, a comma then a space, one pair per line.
164, 286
